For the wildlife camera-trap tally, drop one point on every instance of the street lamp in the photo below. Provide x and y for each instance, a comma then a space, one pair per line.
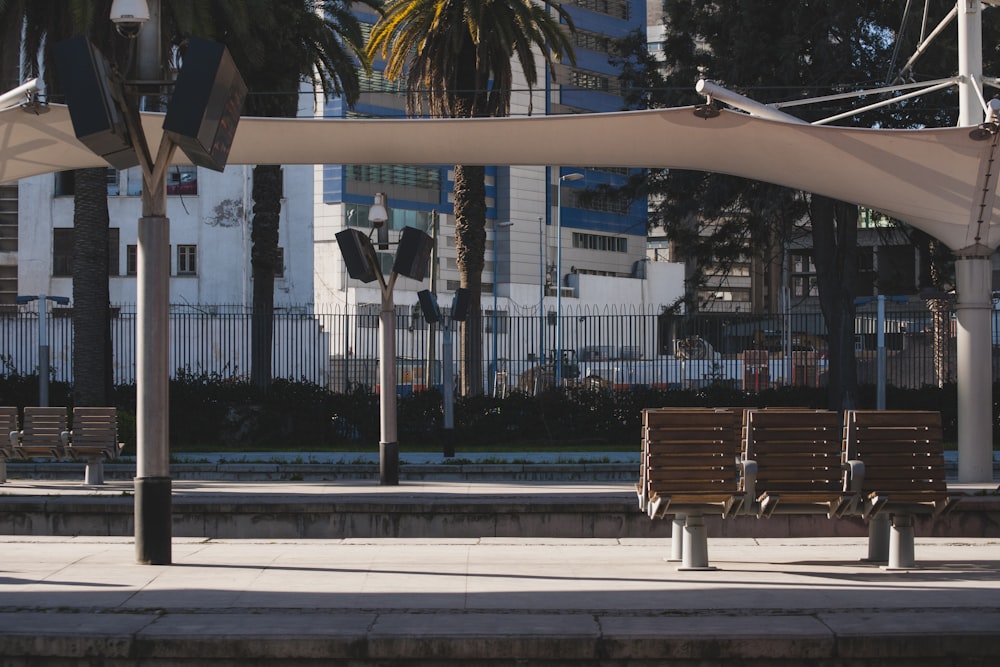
575, 176
362, 263
43, 340
493, 366
201, 120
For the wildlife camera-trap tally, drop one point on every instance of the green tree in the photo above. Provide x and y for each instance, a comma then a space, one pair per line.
288, 42
455, 58
43, 24
770, 51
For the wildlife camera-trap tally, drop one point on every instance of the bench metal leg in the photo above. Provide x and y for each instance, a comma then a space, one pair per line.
695, 544
3, 469
901, 556
94, 473
878, 539
677, 539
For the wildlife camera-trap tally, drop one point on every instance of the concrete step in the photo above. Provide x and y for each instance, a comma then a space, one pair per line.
443, 509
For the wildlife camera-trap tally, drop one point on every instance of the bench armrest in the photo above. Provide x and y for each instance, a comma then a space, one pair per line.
855, 476
749, 474
14, 435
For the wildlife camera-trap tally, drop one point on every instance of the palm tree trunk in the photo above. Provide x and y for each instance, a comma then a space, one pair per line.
470, 244
263, 260
93, 380
835, 232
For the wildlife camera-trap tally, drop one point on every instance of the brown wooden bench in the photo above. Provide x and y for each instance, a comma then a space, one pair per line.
94, 439
793, 463
873, 464
690, 467
902, 474
43, 433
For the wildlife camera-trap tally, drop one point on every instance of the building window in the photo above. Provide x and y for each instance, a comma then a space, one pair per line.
62, 251
600, 242
593, 41
357, 216
593, 81
279, 262
114, 253
182, 181
427, 178
187, 260
616, 8
66, 185
131, 259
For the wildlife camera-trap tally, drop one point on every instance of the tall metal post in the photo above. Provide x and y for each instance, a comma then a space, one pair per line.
881, 358
973, 305
541, 305
431, 353
388, 445
153, 511
559, 344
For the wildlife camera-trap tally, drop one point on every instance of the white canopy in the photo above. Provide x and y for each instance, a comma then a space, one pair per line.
937, 180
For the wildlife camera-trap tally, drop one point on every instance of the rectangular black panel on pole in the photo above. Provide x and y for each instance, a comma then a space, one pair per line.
89, 86
413, 253
429, 305
460, 305
205, 108
359, 255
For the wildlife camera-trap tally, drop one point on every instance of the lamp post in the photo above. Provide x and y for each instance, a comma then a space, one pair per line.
575, 176
201, 119
362, 263
541, 304
493, 365
43, 340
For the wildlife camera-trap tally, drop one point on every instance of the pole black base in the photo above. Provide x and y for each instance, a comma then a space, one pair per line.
153, 521
448, 442
388, 458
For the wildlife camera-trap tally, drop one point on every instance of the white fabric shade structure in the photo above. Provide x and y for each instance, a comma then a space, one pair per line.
936, 180
939, 180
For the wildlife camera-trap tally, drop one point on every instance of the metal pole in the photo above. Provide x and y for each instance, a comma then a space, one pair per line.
449, 389
970, 63
880, 359
541, 305
153, 510
559, 350
972, 272
493, 362
388, 446
432, 327
43, 351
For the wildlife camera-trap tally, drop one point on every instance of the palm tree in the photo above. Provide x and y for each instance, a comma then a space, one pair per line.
287, 43
44, 23
455, 57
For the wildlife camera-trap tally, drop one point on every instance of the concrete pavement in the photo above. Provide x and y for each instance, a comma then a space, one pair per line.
497, 601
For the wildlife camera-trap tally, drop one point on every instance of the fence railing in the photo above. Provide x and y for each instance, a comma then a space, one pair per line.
616, 347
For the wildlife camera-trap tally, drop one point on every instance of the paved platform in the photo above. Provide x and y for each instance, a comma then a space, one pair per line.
494, 601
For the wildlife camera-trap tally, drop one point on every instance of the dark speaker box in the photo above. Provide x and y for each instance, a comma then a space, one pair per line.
359, 255
205, 108
460, 305
429, 304
98, 121
413, 253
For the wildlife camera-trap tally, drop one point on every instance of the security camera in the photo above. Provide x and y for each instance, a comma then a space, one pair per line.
129, 16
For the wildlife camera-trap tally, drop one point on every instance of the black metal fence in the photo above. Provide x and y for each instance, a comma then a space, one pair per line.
614, 346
